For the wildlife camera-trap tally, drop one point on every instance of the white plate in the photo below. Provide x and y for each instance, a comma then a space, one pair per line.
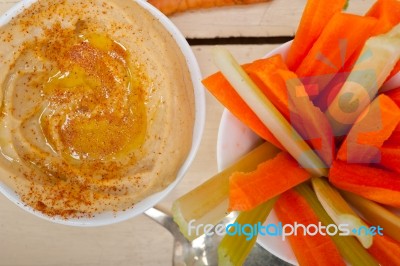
111, 217
235, 140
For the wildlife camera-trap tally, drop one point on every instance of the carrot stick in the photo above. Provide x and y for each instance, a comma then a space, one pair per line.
374, 126
310, 121
388, 14
394, 139
385, 250
390, 158
348, 246
268, 113
315, 16
292, 208
343, 36
227, 96
169, 7
376, 184
271, 81
395, 70
394, 95
377, 59
271, 178
282, 87
275, 81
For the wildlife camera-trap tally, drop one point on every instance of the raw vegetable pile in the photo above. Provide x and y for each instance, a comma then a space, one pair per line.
332, 131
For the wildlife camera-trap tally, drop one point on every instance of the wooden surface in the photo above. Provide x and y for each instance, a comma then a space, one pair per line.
27, 240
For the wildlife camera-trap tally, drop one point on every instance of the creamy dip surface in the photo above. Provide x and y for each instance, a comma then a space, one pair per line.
97, 106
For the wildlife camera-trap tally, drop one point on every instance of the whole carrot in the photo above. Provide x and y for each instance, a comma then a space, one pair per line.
169, 7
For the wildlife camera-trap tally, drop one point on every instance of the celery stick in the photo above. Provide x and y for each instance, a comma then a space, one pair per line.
338, 209
208, 203
375, 214
376, 61
351, 250
267, 112
233, 250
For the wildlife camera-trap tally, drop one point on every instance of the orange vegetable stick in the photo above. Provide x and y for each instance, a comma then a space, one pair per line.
394, 95
271, 178
283, 88
390, 158
169, 7
374, 126
319, 249
227, 96
343, 36
385, 250
395, 70
272, 82
388, 14
315, 16
393, 142
279, 84
376, 184
310, 121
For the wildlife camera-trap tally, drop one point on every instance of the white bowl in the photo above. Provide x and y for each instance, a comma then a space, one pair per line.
235, 140
111, 217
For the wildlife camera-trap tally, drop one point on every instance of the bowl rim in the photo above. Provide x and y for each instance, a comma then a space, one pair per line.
108, 218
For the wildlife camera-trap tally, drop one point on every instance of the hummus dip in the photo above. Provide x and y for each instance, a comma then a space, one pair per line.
97, 106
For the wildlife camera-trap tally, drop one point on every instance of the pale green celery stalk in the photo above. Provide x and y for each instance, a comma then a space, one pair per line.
346, 5
267, 113
377, 59
208, 203
351, 250
375, 214
338, 209
233, 250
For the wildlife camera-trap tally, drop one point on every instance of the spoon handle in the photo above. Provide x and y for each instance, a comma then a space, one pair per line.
165, 220
183, 253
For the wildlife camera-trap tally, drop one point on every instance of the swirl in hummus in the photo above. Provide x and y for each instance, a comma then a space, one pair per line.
97, 106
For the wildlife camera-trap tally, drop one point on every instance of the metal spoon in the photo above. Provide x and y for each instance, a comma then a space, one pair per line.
203, 250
